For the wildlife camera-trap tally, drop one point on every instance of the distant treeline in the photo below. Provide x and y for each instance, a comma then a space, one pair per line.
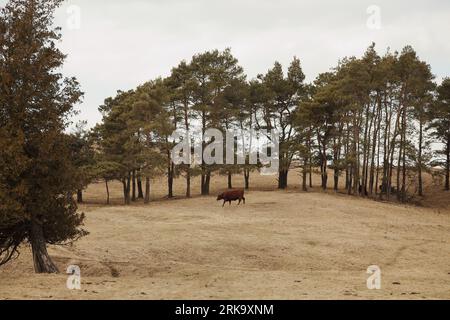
371, 120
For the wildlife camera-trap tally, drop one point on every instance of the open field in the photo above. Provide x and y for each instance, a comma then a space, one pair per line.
280, 245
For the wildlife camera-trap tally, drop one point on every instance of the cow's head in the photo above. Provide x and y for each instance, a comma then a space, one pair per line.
220, 197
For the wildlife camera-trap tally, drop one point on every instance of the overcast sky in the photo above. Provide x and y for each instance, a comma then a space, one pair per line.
122, 43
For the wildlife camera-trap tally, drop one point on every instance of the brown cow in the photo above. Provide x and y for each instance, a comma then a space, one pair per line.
231, 195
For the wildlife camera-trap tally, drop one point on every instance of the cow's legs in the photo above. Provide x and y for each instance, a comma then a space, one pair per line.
239, 201
243, 199
223, 203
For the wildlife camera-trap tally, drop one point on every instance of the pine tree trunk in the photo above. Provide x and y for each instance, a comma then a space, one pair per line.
230, 182
403, 195
107, 192
128, 198
399, 169
188, 184
206, 179
378, 165
377, 182
139, 185
389, 179
375, 148
133, 196
390, 171
309, 158
355, 146
170, 187
283, 179
207, 183
127, 189
324, 169
79, 196
42, 261
347, 178
170, 176
391, 148
280, 180
186, 126
347, 152
375, 143
366, 148
337, 156
336, 180
323, 162
322, 173
420, 159
147, 190
203, 183
350, 180
247, 178
447, 173
304, 175
404, 178
324, 180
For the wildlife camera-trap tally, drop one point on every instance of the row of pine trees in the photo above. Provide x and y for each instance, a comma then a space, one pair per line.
373, 125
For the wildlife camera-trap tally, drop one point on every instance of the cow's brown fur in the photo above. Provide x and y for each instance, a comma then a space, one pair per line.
231, 195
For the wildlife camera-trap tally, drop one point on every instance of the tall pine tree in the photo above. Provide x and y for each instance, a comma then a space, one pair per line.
36, 174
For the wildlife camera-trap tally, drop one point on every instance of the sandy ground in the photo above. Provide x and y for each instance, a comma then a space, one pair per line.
280, 245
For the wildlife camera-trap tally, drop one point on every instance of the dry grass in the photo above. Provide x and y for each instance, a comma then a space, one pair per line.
95, 195
280, 245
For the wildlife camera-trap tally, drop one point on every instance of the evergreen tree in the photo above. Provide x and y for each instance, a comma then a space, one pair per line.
440, 123
37, 177
213, 71
116, 138
283, 95
83, 157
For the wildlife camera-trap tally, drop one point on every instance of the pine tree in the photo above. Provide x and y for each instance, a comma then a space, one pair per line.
153, 123
440, 123
283, 95
116, 138
82, 156
36, 174
213, 71
181, 85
